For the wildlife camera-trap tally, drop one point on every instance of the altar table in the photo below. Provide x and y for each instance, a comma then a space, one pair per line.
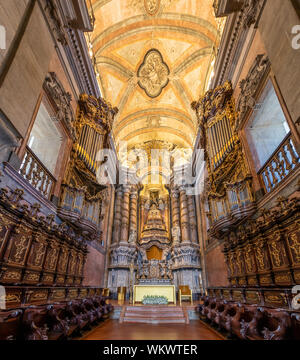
139, 291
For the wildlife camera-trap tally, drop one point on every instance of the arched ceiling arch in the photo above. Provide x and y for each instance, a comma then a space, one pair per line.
154, 92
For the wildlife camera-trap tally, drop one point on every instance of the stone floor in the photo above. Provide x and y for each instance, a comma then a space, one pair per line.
113, 330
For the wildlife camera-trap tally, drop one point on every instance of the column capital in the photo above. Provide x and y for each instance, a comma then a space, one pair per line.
126, 189
134, 195
175, 193
182, 188
119, 190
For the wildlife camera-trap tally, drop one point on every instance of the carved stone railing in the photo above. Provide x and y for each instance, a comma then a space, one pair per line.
284, 160
36, 174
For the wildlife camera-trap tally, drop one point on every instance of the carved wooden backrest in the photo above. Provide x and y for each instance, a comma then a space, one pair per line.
122, 290
185, 290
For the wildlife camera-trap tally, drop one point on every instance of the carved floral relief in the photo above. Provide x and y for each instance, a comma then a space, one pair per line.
153, 74
152, 6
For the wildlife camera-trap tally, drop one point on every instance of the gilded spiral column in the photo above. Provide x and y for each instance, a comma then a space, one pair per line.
125, 216
175, 207
133, 217
184, 216
192, 219
175, 216
118, 216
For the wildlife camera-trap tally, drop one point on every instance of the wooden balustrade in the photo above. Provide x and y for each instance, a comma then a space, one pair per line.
283, 161
36, 174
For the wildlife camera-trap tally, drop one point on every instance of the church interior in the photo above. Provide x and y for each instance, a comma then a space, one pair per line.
149, 169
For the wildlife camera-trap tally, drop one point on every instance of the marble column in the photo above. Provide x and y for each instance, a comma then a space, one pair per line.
184, 216
125, 215
118, 216
192, 219
133, 217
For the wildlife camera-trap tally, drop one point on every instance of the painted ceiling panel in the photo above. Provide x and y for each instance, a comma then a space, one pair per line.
154, 57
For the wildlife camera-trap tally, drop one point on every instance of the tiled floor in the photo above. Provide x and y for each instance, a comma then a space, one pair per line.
113, 330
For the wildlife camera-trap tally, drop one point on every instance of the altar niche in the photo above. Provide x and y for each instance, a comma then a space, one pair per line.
154, 264
153, 241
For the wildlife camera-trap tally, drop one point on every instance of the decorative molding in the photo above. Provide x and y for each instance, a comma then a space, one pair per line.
251, 12
152, 6
55, 22
250, 9
71, 36
62, 101
226, 7
238, 24
77, 15
250, 85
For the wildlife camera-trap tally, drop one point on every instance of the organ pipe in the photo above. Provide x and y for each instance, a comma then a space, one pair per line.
90, 142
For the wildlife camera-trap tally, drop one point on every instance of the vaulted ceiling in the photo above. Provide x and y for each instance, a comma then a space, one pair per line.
153, 58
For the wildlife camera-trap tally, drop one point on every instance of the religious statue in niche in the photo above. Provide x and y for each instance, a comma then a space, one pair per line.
132, 237
176, 235
155, 228
153, 73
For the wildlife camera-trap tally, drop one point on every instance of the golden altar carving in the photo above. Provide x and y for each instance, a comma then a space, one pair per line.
139, 291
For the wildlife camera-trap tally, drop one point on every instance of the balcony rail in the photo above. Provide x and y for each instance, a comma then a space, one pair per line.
36, 174
284, 161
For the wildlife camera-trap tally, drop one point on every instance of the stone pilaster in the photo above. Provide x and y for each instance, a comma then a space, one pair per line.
187, 266
119, 273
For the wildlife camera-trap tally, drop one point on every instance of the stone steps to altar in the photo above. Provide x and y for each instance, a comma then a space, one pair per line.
154, 315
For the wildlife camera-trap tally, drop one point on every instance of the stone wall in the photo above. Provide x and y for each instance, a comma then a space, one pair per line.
94, 268
23, 83
276, 33
216, 269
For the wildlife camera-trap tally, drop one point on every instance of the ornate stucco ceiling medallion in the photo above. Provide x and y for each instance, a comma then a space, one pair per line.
153, 74
152, 6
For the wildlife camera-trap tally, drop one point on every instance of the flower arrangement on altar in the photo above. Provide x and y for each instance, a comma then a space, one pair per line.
155, 300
